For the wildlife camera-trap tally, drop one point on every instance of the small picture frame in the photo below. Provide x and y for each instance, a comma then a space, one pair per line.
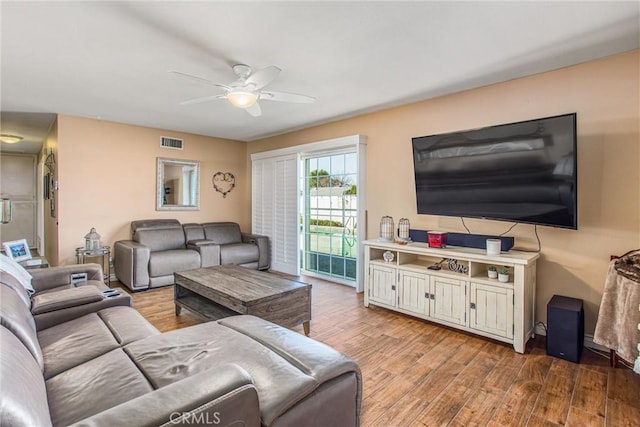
17, 250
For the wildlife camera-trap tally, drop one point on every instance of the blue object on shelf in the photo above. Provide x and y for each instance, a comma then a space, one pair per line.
465, 240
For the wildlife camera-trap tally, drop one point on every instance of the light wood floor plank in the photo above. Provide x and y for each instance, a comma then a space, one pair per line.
555, 399
624, 386
516, 408
591, 392
620, 414
479, 409
402, 413
579, 418
444, 407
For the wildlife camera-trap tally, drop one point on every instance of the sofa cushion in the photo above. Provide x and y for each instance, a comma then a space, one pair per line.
310, 356
24, 398
238, 253
222, 233
168, 262
161, 239
17, 318
74, 342
93, 387
172, 356
158, 234
126, 325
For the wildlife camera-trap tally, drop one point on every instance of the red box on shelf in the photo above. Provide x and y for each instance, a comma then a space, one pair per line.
437, 239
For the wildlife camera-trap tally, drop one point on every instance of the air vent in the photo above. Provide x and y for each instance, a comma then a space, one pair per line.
174, 143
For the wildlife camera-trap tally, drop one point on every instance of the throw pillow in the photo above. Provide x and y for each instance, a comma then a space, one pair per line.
12, 268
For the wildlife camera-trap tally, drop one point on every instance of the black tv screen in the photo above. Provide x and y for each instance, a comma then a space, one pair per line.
520, 172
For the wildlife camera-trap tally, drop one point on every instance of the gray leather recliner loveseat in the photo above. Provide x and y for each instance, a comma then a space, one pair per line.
160, 247
110, 367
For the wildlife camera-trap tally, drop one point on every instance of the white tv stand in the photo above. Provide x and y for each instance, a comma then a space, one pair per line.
468, 301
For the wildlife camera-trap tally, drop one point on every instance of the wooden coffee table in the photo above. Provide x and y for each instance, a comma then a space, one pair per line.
213, 293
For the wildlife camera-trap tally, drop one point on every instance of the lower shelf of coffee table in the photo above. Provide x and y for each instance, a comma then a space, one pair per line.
202, 307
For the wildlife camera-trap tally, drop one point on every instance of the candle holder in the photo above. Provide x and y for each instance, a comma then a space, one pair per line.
92, 240
386, 229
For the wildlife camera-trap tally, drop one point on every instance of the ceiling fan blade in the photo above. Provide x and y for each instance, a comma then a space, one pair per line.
263, 77
200, 80
202, 99
286, 97
254, 110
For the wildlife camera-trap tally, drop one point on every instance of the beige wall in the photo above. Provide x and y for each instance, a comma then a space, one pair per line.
107, 175
605, 95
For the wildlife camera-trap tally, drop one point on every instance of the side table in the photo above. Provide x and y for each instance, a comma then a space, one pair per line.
35, 262
101, 256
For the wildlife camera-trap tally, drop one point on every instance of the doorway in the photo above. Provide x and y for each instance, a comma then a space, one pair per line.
18, 183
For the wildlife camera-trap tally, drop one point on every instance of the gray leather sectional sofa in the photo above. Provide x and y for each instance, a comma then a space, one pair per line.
110, 367
160, 247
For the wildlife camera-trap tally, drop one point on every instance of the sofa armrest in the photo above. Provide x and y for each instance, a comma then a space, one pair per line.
48, 319
52, 301
212, 397
264, 260
209, 251
131, 263
52, 277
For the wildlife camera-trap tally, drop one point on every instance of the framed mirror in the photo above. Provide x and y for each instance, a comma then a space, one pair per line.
177, 185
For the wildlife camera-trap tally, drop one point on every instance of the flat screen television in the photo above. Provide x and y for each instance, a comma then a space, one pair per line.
519, 172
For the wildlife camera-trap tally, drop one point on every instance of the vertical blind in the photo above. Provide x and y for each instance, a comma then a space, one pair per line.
275, 208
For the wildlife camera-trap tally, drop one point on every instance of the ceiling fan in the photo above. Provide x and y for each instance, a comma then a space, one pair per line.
247, 89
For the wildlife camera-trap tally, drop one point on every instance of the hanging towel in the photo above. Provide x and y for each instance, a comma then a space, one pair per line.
617, 326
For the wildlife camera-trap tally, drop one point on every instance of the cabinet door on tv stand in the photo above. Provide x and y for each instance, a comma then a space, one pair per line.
491, 309
449, 300
382, 284
413, 292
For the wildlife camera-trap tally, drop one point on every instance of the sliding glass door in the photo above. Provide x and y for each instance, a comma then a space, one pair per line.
310, 201
329, 216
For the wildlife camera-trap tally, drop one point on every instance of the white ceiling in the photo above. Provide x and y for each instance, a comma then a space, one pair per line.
109, 60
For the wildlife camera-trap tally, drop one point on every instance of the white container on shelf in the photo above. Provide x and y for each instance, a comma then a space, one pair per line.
493, 247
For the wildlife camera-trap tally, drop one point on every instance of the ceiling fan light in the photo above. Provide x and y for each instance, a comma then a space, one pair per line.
242, 99
10, 139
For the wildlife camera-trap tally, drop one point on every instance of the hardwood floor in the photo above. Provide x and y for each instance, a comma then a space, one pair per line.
417, 373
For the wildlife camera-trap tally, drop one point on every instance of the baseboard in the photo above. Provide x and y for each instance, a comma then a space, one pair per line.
588, 339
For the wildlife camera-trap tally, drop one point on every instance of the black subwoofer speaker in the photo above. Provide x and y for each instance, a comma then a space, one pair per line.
565, 328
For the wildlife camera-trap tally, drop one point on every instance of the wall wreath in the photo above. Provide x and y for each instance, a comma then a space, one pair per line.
223, 182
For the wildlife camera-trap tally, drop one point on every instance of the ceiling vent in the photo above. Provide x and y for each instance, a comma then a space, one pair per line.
174, 143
